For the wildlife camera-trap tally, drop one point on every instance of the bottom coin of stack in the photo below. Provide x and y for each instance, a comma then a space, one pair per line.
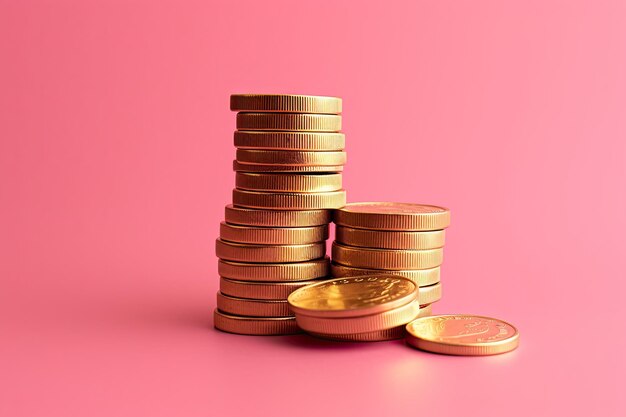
254, 326
363, 308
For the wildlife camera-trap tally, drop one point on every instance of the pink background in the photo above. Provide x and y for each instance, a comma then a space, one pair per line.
115, 166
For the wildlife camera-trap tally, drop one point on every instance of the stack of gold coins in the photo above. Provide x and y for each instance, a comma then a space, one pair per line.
392, 238
290, 155
363, 308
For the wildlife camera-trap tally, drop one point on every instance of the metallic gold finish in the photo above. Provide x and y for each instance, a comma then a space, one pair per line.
260, 290
252, 308
290, 141
269, 253
295, 183
289, 121
460, 334
430, 294
289, 201
379, 336
389, 239
254, 326
426, 310
361, 324
274, 272
295, 158
276, 218
354, 296
291, 103
393, 216
393, 259
286, 168
421, 277
273, 235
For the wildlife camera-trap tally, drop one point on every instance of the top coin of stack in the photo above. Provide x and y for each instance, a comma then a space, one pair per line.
393, 238
289, 158
290, 152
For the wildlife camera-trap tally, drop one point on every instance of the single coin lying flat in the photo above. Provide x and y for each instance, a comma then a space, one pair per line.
462, 334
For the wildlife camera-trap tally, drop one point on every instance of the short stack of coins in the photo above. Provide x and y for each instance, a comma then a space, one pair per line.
360, 309
392, 238
290, 155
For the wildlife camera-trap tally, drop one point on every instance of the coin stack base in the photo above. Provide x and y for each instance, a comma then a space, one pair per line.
262, 261
392, 238
290, 155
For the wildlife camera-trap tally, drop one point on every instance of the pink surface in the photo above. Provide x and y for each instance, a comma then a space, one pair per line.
115, 166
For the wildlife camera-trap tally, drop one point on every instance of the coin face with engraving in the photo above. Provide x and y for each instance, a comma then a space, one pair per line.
461, 334
354, 296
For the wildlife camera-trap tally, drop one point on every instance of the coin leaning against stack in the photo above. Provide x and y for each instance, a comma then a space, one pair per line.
290, 155
392, 238
359, 309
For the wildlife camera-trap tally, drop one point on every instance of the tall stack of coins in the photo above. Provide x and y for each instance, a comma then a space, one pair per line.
392, 238
290, 155
362, 308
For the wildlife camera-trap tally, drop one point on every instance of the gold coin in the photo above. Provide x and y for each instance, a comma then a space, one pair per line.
289, 201
393, 259
393, 216
260, 290
383, 239
290, 141
430, 294
302, 183
289, 121
276, 218
274, 272
291, 103
353, 296
269, 253
254, 326
378, 336
461, 334
296, 158
361, 324
420, 277
286, 168
273, 235
252, 308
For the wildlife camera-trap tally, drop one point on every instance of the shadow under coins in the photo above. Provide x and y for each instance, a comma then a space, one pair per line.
305, 341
